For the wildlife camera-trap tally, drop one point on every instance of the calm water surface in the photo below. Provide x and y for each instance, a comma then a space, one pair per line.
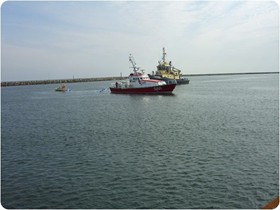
213, 144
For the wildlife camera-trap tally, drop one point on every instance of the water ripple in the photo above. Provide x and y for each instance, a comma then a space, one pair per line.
209, 146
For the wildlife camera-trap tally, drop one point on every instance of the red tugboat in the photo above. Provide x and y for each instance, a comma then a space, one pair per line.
140, 83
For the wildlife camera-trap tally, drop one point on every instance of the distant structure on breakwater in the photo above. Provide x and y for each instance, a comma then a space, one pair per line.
57, 81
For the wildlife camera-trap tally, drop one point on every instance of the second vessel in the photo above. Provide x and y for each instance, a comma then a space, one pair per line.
165, 71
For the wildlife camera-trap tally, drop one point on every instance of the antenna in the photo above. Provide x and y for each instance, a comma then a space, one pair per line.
132, 61
164, 54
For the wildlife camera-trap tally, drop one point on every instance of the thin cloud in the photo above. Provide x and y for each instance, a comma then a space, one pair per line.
88, 39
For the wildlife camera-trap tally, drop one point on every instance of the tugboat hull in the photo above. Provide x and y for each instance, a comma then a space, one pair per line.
164, 89
182, 81
165, 79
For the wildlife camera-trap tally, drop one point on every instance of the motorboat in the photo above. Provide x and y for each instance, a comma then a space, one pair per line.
62, 88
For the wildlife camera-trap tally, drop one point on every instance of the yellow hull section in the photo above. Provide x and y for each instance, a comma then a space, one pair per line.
168, 75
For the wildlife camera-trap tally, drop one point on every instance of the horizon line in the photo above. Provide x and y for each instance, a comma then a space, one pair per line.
92, 79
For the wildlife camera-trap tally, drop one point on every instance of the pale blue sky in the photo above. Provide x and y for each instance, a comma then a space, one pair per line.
53, 40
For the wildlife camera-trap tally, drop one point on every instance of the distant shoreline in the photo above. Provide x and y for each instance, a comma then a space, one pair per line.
58, 81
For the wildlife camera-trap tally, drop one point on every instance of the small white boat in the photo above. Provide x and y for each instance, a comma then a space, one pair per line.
62, 88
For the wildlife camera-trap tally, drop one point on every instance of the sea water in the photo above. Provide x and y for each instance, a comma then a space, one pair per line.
214, 143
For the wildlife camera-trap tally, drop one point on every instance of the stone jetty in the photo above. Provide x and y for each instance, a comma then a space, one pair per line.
57, 81
228, 74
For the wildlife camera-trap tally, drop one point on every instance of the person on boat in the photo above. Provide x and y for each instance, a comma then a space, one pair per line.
117, 84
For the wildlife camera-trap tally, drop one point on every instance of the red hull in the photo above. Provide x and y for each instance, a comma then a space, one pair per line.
150, 90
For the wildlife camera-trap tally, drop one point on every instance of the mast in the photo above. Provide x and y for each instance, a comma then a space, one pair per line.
132, 61
163, 54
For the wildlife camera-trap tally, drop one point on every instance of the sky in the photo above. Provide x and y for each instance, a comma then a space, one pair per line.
60, 40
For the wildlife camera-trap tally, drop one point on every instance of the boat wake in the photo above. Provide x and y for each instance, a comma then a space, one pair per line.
104, 90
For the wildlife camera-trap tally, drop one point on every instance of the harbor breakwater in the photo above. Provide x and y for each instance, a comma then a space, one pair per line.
58, 81
221, 74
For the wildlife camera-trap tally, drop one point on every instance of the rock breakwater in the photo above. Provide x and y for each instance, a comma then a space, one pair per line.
57, 81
